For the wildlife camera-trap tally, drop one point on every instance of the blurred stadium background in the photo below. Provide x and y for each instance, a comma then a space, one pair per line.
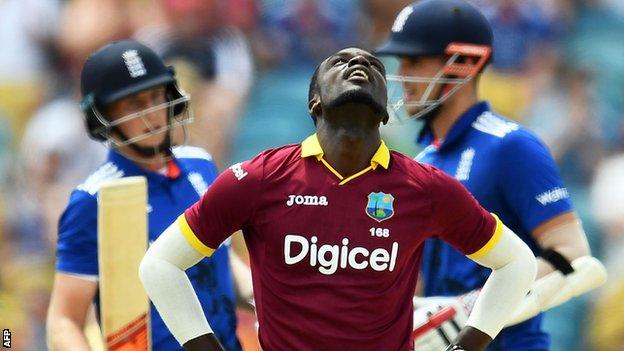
558, 68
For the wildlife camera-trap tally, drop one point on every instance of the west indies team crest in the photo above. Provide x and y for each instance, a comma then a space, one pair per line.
380, 206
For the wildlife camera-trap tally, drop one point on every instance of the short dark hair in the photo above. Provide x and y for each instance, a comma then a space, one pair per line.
314, 88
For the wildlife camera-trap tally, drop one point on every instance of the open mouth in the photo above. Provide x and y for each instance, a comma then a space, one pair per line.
358, 74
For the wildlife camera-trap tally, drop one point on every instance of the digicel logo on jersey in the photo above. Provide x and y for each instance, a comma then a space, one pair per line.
329, 257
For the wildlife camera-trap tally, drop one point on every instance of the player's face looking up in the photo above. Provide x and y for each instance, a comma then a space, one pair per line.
353, 76
141, 117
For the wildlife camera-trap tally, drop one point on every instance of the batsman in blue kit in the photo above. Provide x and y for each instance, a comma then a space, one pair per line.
132, 102
442, 47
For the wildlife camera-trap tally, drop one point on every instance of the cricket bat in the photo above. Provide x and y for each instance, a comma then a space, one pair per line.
122, 242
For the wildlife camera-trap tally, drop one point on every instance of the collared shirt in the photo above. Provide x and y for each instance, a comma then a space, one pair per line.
511, 173
167, 199
335, 257
312, 147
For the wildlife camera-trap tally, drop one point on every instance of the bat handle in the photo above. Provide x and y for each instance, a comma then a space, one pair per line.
435, 320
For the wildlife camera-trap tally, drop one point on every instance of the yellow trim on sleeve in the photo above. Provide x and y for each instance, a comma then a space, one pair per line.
192, 239
491, 243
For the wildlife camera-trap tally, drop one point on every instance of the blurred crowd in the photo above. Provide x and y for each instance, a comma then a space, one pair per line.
558, 68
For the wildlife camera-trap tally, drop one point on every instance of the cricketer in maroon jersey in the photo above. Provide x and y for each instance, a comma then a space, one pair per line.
335, 258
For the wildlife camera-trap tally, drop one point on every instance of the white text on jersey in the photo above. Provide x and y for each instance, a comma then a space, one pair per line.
307, 200
331, 257
552, 195
465, 164
238, 170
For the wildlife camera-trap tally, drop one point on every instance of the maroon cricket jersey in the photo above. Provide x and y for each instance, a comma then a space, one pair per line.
335, 260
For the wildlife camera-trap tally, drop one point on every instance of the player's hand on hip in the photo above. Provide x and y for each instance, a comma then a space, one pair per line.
206, 342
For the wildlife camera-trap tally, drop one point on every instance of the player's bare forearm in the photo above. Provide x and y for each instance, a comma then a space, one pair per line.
472, 339
563, 234
67, 313
206, 342
65, 335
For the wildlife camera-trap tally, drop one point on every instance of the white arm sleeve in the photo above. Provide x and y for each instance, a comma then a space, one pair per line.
514, 269
162, 274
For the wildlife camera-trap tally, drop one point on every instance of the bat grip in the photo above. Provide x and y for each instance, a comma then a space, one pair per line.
435, 320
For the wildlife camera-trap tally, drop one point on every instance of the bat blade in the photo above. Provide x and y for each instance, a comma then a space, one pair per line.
122, 242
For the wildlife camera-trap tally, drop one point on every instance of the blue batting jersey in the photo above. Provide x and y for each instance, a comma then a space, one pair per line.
511, 173
167, 199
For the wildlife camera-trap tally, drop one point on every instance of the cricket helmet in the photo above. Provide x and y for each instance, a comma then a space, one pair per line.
453, 29
118, 70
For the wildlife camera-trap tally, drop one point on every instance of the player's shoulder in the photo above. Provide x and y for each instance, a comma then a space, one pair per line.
523, 142
106, 172
508, 135
281, 153
191, 153
81, 201
81, 212
494, 125
412, 168
195, 160
273, 160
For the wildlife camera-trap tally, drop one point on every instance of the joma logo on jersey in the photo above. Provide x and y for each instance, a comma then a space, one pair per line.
306, 200
328, 258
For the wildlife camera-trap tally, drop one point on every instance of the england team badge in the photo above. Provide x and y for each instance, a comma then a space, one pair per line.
380, 206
